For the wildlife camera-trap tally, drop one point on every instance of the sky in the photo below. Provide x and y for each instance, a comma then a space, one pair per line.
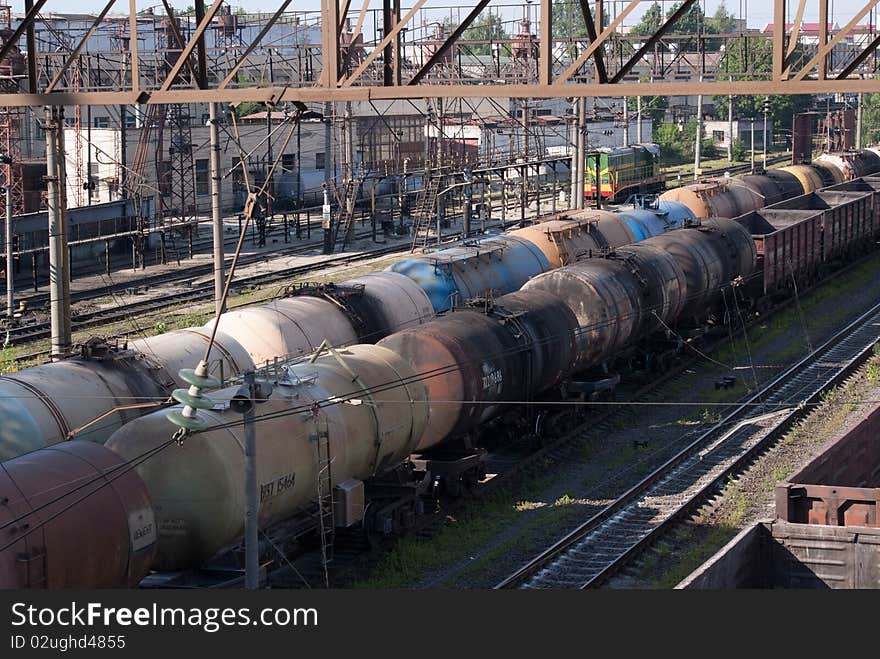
759, 12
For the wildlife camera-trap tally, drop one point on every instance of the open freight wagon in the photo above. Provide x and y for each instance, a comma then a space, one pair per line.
798, 238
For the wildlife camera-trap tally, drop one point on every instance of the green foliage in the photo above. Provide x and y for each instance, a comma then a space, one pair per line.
486, 27
7, 360
652, 106
568, 20
651, 19
870, 119
739, 150
708, 148
752, 59
668, 137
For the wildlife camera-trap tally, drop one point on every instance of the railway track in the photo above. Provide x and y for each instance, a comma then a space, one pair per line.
600, 547
205, 291
178, 274
735, 169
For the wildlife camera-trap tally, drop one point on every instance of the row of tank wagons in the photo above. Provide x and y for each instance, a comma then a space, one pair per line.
89, 398
173, 507
54, 402
502, 264
732, 197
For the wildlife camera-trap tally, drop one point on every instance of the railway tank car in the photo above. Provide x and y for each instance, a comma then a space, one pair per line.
732, 197
502, 264
375, 402
88, 397
670, 275
74, 515
365, 400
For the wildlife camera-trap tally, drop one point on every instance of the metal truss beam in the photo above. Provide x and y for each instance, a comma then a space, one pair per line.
859, 59
178, 37
378, 74
598, 55
601, 39
256, 42
26, 22
452, 39
654, 38
316, 94
825, 49
76, 51
190, 46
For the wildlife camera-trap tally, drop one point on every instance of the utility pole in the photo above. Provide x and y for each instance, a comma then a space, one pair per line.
581, 151
698, 141
328, 118
574, 156
766, 112
524, 189
216, 216
859, 122
625, 123
10, 289
730, 129
639, 119
59, 304
752, 157
327, 222
243, 402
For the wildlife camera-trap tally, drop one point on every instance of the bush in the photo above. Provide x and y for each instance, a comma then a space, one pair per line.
739, 149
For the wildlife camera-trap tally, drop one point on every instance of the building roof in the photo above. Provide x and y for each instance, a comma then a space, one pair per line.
806, 28
262, 116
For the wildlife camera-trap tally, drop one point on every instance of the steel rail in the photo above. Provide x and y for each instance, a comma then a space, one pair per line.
599, 547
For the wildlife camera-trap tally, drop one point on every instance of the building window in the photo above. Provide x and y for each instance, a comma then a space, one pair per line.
202, 176
718, 135
288, 162
101, 122
319, 160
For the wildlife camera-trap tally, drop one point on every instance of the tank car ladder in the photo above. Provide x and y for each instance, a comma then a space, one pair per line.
424, 213
324, 485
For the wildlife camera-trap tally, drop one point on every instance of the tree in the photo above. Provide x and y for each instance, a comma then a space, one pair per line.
691, 22
568, 20
651, 20
486, 27
751, 59
870, 119
652, 106
722, 21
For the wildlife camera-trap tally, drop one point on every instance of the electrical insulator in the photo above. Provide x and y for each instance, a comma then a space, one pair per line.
192, 398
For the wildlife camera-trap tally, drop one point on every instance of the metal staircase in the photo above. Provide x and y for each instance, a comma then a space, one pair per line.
423, 216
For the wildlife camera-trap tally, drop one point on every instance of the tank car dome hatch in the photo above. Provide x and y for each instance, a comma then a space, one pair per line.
675, 213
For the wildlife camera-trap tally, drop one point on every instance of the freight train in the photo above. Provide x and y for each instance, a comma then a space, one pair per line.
114, 384
140, 496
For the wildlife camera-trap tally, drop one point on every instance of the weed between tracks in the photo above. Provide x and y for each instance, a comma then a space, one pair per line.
750, 497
